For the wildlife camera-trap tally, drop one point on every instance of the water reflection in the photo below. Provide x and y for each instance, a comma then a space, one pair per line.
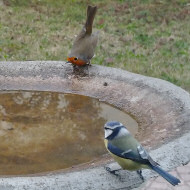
45, 131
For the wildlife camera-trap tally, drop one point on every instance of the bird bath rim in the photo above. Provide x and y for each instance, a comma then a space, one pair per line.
159, 106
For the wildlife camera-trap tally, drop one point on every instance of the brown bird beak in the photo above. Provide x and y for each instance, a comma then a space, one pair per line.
68, 60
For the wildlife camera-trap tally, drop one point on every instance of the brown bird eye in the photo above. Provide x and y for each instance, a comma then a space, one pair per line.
75, 58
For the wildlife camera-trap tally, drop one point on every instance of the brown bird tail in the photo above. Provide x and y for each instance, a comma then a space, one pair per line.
91, 12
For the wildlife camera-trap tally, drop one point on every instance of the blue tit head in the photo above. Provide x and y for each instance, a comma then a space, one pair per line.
114, 130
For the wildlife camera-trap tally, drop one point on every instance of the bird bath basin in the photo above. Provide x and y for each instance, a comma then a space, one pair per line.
161, 109
48, 131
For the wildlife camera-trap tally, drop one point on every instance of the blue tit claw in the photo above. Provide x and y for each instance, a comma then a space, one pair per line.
140, 174
112, 171
107, 168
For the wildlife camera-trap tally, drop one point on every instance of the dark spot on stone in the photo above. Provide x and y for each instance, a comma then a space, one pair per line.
105, 84
10, 129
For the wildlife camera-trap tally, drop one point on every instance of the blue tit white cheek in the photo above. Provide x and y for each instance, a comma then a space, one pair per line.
122, 132
108, 132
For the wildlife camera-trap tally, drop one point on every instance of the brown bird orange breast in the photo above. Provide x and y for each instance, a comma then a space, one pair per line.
76, 61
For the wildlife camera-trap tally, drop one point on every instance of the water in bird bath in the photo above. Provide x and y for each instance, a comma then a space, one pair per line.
48, 131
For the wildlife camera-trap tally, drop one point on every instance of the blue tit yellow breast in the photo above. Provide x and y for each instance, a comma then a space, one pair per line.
126, 164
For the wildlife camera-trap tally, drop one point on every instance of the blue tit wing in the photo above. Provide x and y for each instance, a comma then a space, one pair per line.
140, 156
144, 155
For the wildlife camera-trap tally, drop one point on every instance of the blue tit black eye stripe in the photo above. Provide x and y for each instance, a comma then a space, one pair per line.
114, 134
107, 128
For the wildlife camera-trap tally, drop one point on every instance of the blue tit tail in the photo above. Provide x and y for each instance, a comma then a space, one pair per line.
171, 179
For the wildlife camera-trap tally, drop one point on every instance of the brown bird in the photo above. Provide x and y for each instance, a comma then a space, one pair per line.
85, 43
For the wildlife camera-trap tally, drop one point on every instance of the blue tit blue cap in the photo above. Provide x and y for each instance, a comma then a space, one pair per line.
113, 123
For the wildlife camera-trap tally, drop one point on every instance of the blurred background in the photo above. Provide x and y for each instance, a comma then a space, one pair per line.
149, 37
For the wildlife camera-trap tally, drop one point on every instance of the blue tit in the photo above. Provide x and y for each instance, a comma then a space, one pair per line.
129, 153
